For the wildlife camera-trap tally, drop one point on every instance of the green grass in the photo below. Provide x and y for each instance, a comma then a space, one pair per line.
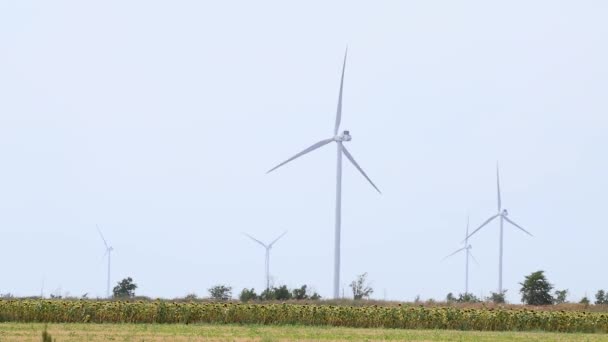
178, 332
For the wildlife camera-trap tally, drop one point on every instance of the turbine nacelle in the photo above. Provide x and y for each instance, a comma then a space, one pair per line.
345, 136
504, 213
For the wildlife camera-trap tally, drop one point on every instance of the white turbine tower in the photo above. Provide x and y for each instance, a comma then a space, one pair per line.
339, 139
268, 247
467, 248
502, 213
109, 250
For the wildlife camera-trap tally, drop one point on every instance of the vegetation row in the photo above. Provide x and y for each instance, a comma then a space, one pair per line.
400, 317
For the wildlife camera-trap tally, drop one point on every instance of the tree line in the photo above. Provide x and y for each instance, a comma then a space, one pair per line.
535, 290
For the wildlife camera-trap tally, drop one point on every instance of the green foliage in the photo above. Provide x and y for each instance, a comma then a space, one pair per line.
561, 296
584, 301
360, 287
536, 289
390, 317
220, 292
191, 296
299, 294
303, 293
467, 298
247, 295
279, 293
125, 288
601, 297
497, 298
276, 293
462, 298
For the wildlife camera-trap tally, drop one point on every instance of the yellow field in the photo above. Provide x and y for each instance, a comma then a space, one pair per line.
23, 332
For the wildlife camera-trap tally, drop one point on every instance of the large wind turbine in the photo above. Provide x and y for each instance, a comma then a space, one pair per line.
502, 214
109, 250
339, 139
268, 247
467, 248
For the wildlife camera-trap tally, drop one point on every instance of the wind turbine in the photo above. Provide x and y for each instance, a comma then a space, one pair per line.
109, 250
268, 247
467, 248
502, 214
339, 139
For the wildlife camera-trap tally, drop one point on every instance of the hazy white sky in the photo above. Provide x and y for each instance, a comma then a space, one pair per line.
158, 120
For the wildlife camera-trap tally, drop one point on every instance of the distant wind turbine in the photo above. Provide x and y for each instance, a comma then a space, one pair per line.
268, 247
502, 213
467, 248
339, 139
109, 250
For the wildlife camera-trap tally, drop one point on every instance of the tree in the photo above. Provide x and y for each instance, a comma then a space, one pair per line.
560, 296
220, 292
497, 298
191, 297
450, 298
247, 295
276, 293
467, 298
299, 294
360, 287
536, 289
304, 293
584, 301
601, 297
125, 288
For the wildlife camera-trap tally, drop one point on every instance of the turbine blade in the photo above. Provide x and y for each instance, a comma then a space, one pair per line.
100, 234
472, 257
518, 226
459, 250
352, 160
466, 236
310, 149
339, 111
277, 239
256, 240
498, 187
482, 225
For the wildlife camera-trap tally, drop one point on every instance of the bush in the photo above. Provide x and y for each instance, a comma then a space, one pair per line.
561, 296
276, 293
360, 287
303, 293
601, 297
247, 295
220, 292
497, 298
124, 289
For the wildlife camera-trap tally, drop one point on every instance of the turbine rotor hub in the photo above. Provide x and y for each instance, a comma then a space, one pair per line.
505, 212
345, 136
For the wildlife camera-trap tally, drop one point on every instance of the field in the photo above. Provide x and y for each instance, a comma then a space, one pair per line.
22, 332
394, 317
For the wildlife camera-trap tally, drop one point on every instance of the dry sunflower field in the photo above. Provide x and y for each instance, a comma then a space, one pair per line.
393, 317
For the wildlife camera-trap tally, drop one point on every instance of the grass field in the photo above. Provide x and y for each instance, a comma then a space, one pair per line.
179, 332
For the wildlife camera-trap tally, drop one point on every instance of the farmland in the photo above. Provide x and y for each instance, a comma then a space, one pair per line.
72, 332
394, 317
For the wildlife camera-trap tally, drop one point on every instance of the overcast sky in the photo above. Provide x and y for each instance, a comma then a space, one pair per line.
157, 120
